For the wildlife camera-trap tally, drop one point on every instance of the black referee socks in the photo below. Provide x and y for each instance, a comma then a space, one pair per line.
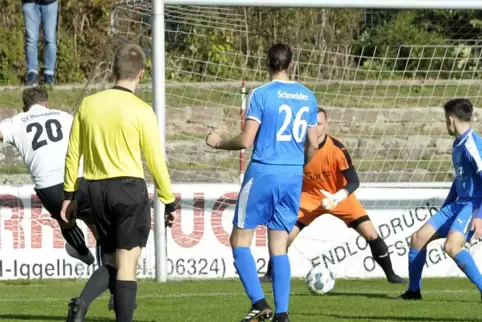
96, 285
125, 300
102, 279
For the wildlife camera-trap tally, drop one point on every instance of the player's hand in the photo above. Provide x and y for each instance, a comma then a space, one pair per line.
169, 218
69, 210
477, 227
213, 139
328, 204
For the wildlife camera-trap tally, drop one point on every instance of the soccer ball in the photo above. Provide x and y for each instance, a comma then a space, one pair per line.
320, 280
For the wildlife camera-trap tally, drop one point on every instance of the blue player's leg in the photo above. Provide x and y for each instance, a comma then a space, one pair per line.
253, 208
454, 245
281, 272
437, 227
280, 226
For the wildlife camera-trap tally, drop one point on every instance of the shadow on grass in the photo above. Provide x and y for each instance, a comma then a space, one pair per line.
389, 318
32, 317
349, 294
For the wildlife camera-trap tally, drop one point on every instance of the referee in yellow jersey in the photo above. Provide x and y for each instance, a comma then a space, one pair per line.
110, 130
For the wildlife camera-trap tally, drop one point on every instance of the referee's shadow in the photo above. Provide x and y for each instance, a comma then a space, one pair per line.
32, 317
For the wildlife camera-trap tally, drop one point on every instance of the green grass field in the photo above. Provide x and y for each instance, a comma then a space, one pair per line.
445, 300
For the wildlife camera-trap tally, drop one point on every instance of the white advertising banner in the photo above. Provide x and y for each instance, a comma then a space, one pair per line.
31, 245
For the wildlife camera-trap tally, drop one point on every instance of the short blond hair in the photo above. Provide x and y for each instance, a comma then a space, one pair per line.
129, 60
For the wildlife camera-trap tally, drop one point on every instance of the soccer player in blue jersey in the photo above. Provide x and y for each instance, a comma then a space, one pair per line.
279, 116
453, 221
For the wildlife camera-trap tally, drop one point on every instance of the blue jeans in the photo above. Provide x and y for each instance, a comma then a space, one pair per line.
33, 15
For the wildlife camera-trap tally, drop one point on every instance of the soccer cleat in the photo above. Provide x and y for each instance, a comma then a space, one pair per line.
281, 317
410, 296
110, 306
266, 279
77, 310
256, 315
88, 258
395, 279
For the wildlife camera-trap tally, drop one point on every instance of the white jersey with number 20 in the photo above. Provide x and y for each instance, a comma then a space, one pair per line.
41, 136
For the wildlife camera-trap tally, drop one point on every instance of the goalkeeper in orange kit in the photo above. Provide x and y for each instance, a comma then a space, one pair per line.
328, 185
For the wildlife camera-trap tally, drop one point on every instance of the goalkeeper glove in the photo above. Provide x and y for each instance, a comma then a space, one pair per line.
332, 200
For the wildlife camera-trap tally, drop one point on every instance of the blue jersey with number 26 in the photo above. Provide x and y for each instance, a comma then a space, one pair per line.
284, 111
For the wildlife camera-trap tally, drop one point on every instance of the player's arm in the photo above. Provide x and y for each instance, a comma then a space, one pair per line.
312, 136
243, 140
344, 164
72, 158
452, 196
352, 180
6, 131
311, 144
246, 138
156, 162
473, 154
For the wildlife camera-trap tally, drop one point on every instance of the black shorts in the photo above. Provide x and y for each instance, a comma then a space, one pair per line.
121, 211
53, 197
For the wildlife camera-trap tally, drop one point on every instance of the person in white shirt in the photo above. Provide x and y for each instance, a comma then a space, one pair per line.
41, 136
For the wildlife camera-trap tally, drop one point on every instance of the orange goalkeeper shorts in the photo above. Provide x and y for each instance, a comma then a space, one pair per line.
348, 210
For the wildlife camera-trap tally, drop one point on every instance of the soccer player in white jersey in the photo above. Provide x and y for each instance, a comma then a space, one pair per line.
41, 136
457, 218
280, 114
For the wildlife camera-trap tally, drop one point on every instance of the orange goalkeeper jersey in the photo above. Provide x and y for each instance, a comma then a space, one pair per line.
324, 171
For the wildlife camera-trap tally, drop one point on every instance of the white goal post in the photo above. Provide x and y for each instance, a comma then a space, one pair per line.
159, 67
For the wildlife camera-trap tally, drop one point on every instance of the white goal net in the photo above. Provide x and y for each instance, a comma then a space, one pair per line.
382, 76
383, 100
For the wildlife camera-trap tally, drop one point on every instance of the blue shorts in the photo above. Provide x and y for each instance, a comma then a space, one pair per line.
456, 216
270, 196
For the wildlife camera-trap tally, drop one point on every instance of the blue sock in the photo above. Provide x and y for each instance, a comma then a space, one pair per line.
281, 282
246, 267
416, 261
466, 263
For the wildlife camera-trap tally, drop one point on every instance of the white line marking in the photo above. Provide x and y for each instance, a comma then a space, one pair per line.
219, 294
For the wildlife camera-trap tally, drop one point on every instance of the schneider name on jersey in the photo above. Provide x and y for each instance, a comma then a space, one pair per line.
41, 136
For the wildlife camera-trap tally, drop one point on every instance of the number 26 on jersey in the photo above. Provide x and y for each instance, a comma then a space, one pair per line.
298, 126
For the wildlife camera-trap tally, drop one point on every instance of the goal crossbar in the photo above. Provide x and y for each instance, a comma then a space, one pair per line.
372, 4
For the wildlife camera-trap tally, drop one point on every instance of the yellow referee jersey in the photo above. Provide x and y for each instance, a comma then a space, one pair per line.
110, 130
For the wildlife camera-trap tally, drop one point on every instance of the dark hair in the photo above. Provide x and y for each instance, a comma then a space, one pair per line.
129, 60
279, 58
322, 110
460, 108
34, 95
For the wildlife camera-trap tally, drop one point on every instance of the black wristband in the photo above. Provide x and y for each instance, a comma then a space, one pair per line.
171, 207
69, 195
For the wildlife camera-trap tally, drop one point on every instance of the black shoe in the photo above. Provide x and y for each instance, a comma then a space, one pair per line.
281, 317
49, 79
266, 279
111, 307
111, 303
32, 79
77, 310
256, 315
395, 279
410, 296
